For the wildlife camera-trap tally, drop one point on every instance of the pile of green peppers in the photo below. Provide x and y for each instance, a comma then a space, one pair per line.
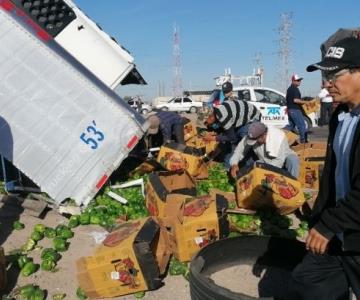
104, 210
178, 268
32, 292
218, 179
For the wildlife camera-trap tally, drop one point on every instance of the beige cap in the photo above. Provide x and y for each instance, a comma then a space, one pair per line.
154, 122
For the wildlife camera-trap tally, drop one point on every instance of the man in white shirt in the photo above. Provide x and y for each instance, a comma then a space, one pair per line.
326, 104
270, 145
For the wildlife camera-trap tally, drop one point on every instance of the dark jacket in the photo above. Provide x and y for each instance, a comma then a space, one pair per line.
330, 217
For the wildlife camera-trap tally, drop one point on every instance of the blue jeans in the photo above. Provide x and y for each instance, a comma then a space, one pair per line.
296, 119
292, 165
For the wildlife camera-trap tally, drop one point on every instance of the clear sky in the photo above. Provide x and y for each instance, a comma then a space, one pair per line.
215, 35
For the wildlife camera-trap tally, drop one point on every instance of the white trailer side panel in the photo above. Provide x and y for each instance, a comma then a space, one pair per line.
59, 125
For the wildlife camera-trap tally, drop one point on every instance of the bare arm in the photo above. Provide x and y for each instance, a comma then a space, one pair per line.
299, 101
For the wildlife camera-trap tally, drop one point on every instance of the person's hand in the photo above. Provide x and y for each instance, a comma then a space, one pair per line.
233, 171
316, 242
209, 137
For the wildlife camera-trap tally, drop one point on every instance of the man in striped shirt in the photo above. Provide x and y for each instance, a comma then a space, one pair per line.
233, 117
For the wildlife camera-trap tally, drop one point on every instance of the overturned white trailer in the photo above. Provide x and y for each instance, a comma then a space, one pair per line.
61, 124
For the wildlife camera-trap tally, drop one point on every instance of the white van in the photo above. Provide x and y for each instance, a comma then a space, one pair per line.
272, 105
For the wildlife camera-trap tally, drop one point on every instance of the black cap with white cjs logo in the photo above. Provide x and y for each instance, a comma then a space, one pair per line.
343, 54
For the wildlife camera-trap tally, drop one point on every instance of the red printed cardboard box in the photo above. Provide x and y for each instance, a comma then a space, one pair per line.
189, 130
266, 186
194, 222
133, 258
162, 184
175, 156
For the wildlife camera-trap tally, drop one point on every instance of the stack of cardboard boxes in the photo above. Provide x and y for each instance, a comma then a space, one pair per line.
192, 222
134, 256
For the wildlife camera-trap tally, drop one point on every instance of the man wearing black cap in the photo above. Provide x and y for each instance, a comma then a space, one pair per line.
332, 264
270, 145
227, 89
294, 102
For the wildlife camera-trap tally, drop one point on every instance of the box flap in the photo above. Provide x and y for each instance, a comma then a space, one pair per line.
121, 233
185, 149
150, 245
178, 182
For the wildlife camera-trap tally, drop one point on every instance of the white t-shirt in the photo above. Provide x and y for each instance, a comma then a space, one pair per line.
324, 96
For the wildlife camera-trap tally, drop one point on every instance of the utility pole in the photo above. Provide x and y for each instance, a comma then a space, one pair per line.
177, 81
258, 70
284, 52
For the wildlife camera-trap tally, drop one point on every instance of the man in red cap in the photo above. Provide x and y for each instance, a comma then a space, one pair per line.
295, 112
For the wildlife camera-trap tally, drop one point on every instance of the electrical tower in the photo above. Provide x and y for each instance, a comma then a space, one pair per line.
177, 82
284, 52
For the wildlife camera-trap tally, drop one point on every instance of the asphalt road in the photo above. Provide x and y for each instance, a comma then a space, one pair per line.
318, 134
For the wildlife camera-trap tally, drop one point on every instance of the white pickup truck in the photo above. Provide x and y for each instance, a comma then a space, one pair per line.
272, 105
180, 104
61, 123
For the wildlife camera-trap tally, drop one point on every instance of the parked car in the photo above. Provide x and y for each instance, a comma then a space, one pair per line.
272, 105
139, 106
180, 104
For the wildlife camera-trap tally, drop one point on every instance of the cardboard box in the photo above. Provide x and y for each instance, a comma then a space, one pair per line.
310, 172
199, 143
194, 222
163, 184
189, 130
311, 106
132, 258
291, 136
315, 149
263, 186
174, 157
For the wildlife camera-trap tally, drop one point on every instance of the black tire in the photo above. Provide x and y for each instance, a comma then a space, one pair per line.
258, 251
193, 109
164, 108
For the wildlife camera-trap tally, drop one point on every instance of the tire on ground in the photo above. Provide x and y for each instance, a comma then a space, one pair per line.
257, 251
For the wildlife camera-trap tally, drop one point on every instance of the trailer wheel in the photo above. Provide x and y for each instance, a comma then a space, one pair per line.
282, 254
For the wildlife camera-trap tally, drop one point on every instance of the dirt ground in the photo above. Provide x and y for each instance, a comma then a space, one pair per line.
82, 244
